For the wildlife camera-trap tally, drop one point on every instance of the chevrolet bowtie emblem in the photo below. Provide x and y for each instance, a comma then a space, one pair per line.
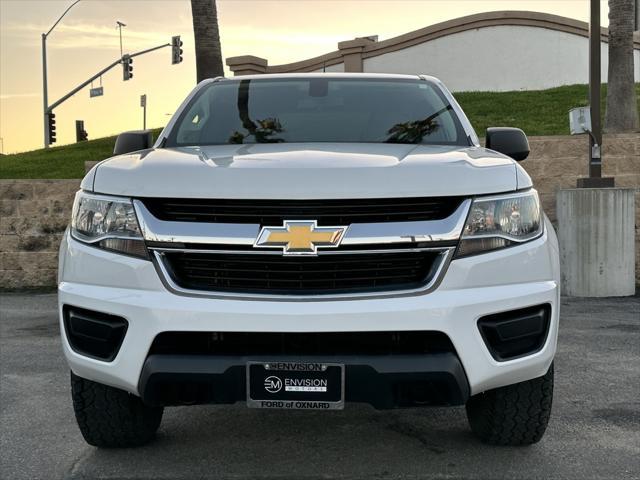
300, 237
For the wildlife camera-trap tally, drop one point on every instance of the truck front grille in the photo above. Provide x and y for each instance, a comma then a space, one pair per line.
282, 275
326, 212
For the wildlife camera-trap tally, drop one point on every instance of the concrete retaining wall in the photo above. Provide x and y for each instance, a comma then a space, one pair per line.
34, 213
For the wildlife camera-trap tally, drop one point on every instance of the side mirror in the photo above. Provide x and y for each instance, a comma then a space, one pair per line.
512, 142
133, 141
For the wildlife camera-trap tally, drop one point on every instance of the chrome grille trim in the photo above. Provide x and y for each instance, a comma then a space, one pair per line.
445, 230
444, 259
277, 253
234, 239
154, 230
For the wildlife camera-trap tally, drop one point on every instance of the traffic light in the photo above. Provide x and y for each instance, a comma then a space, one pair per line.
51, 125
81, 133
176, 50
127, 67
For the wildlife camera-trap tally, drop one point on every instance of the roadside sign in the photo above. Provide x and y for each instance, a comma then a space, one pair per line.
580, 120
143, 104
96, 92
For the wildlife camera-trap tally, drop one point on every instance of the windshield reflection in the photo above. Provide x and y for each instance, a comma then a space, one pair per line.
263, 130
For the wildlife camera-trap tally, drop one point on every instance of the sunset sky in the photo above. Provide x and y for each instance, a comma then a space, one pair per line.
87, 40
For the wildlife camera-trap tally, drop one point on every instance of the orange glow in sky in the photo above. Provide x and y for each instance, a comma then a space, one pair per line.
87, 40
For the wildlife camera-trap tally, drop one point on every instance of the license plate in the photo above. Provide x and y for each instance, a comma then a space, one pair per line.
295, 385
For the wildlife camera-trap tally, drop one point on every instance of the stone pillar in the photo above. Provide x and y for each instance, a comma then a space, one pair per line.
247, 65
351, 51
596, 235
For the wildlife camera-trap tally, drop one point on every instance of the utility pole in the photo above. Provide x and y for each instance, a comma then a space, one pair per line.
45, 98
595, 179
595, 61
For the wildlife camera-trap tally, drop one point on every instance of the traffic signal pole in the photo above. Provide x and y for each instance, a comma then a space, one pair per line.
48, 109
45, 93
82, 85
45, 98
99, 74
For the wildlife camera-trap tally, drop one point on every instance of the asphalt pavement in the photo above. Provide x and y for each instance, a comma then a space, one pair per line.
594, 431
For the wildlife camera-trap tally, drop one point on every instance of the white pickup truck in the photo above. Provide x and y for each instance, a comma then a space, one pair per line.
307, 241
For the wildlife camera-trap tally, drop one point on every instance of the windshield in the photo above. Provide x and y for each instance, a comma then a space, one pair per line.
318, 109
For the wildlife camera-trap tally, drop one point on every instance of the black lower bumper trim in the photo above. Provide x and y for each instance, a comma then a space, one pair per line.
384, 381
516, 333
94, 334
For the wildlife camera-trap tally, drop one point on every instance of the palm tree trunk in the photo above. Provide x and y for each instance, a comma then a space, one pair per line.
622, 110
207, 38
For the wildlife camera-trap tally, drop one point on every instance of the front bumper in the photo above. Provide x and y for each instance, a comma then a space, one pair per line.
472, 287
382, 381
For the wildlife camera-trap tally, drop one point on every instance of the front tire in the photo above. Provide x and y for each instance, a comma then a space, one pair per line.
513, 415
112, 418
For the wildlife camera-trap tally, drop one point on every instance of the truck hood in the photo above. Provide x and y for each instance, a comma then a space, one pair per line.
306, 171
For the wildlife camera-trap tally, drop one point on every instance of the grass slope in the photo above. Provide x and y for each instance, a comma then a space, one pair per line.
540, 112
537, 112
66, 161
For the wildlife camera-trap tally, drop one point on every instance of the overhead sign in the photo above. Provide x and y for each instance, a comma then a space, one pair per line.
96, 92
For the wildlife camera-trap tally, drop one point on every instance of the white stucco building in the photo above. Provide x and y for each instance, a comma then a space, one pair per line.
494, 51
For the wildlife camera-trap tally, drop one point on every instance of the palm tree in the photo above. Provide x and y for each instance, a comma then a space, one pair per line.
207, 38
622, 109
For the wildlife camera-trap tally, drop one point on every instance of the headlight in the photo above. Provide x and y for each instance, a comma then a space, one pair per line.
501, 221
107, 222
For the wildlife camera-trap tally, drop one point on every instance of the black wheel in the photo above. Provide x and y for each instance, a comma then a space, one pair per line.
109, 417
512, 415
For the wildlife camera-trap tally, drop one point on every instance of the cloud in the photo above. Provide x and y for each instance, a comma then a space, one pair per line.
10, 96
87, 35
99, 36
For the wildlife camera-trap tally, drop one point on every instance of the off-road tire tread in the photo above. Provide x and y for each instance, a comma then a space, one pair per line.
112, 418
513, 415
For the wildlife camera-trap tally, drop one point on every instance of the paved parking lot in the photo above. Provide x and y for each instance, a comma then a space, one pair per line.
594, 430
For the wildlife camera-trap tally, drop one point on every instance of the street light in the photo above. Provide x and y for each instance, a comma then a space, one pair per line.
45, 99
119, 26
124, 60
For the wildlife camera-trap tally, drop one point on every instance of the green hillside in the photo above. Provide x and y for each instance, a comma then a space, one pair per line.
66, 161
542, 112
537, 112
